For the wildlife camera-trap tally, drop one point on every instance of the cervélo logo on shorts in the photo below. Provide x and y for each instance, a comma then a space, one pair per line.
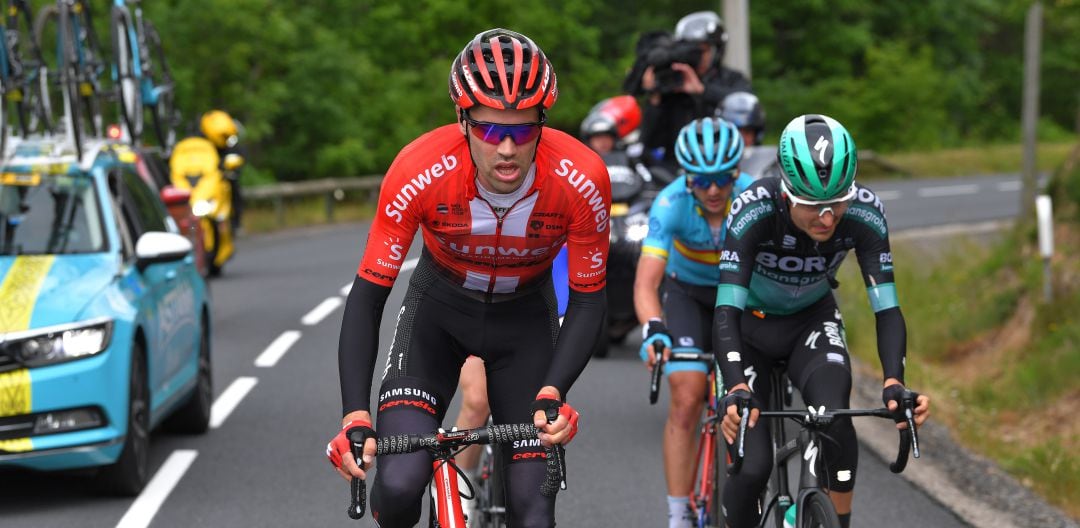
412, 188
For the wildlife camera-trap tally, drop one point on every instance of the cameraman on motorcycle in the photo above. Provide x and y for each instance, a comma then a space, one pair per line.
683, 79
224, 132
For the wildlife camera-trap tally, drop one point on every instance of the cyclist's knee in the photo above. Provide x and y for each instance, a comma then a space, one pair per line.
399, 487
526, 507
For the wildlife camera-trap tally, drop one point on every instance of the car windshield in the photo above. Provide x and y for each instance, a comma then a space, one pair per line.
49, 214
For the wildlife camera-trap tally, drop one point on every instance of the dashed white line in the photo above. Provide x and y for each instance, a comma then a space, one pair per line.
229, 399
1010, 186
949, 190
405, 266
146, 506
277, 349
318, 313
888, 195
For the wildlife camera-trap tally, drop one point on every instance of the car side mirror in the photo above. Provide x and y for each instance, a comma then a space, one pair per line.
156, 247
171, 195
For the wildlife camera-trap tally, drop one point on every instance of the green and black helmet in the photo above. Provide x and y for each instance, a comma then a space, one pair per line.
818, 158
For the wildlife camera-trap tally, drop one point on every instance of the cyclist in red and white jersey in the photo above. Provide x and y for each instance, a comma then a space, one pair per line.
495, 196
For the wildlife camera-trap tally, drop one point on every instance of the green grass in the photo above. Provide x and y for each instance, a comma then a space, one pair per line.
991, 159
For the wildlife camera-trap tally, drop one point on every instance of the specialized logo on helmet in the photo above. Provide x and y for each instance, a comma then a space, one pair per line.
821, 145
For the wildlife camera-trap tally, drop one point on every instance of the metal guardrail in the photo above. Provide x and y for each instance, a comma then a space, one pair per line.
332, 189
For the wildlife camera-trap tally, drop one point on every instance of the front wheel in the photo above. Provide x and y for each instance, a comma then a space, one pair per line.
490, 501
816, 511
128, 475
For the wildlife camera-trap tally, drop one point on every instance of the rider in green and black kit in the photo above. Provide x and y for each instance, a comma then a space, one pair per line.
786, 238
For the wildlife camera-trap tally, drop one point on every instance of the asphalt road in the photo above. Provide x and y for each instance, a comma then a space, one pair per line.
276, 317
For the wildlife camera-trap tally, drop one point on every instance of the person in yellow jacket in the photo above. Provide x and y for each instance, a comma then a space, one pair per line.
224, 132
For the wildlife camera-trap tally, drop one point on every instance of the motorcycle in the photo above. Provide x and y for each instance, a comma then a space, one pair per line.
196, 167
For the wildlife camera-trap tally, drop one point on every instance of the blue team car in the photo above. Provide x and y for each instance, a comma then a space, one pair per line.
104, 319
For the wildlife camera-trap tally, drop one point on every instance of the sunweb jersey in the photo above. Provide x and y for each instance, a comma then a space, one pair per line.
432, 185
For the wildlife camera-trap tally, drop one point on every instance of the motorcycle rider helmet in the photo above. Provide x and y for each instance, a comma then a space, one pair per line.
597, 123
818, 158
502, 69
220, 128
708, 145
743, 109
703, 26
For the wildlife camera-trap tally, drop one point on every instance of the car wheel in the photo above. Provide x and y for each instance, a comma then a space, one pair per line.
194, 416
128, 475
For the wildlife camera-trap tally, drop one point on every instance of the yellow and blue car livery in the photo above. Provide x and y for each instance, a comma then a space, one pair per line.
75, 303
680, 234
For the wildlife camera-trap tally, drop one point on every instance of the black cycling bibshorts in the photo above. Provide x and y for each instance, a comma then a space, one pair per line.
438, 326
688, 315
812, 343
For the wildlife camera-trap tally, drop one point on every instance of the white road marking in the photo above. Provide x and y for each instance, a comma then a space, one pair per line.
1010, 186
924, 233
317, 314
277, 349
229, 399
888, 195
405, 266
146, 506
949, 190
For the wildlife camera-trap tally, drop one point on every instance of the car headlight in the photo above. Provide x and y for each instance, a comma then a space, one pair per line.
56, 344
203, 207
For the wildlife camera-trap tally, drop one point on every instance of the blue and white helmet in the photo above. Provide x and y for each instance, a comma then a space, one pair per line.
708, 145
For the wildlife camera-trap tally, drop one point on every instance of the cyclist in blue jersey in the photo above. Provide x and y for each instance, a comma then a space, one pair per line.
786, 238
681, 253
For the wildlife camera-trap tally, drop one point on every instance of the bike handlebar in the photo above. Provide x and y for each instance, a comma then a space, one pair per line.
819, 419
448, 440
658, 367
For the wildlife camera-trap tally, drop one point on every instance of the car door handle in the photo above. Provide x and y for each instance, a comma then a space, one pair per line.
170, 275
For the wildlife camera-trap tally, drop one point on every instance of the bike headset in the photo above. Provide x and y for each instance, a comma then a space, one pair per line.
745, 111
708, 146
502, 69
818, 160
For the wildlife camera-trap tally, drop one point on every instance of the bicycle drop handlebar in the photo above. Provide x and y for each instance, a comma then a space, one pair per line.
819, 419
443, 442
658, 367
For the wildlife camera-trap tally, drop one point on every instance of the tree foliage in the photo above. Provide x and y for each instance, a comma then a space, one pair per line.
331, 88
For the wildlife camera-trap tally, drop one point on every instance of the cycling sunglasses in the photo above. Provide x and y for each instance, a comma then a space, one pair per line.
822, 205
705, 180
494, 133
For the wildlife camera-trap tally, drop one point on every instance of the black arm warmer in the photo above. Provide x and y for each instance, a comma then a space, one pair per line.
582, 326
891, 342
358, 345
727, 344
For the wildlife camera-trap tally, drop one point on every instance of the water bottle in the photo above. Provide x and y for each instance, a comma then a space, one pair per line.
789, 517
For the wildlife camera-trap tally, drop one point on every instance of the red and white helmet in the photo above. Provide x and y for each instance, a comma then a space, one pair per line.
502, 69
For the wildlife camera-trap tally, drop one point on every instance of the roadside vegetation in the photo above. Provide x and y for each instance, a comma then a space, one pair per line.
1000, 363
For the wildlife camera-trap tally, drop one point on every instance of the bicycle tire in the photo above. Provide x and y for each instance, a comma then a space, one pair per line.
127, 82
32, 78
52, 88
816, 511
716, 511
157, 69
69, 79
491, 500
